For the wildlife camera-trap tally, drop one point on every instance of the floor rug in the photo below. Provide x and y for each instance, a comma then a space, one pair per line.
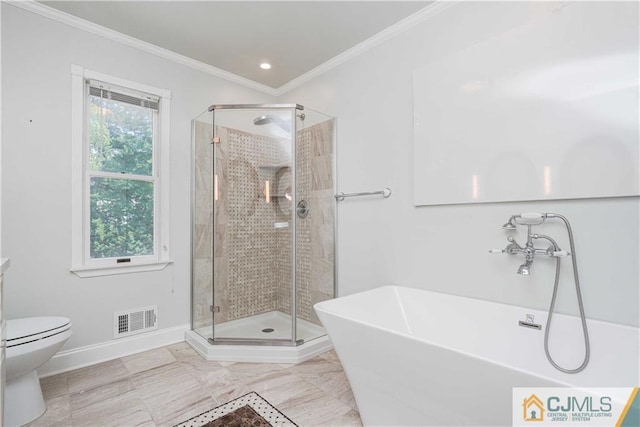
250, 410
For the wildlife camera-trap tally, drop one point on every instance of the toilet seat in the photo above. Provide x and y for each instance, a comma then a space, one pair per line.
27, 330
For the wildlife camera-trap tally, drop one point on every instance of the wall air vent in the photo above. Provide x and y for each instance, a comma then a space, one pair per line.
136, 321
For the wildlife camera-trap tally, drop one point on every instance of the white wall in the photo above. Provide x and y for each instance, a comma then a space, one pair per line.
444, 248
36, 174
0, 147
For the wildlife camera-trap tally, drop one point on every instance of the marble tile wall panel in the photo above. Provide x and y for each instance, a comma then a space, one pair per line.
202, 267
322, 221
203, 156
315, 234
202, 292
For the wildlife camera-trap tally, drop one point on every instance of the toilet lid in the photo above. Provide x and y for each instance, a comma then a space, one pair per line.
20, 330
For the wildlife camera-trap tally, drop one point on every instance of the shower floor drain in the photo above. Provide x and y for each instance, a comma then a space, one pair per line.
267, 330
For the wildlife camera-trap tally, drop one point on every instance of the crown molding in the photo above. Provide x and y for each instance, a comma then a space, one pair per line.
422, 15
82, 24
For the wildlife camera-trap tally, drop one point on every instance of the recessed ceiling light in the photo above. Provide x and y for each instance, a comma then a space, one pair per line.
265, 66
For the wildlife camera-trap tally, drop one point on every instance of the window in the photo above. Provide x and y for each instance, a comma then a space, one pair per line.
120, 180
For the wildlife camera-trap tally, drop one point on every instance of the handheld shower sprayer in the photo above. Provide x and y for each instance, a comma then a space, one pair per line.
529, 251
528, 218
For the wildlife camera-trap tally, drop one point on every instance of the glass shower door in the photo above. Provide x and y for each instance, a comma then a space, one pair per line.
252, 197
202, 228
315, 232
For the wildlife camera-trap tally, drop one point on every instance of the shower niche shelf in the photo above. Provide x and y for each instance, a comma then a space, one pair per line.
275, 167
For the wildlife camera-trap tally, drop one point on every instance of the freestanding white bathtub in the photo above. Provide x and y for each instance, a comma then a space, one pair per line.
422, 358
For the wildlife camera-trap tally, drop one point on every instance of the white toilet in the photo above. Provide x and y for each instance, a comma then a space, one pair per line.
30, 343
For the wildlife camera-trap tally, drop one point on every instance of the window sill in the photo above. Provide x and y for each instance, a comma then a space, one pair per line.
125, 269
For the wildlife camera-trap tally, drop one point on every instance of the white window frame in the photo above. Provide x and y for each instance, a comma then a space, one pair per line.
81, 262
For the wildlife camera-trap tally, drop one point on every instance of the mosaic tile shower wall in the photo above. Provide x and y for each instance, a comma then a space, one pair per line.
250, 232
252, 262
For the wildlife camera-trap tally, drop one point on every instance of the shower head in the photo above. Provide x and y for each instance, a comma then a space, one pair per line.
263, 120
270, 118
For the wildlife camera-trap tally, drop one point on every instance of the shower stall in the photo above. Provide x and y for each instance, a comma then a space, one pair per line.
263, 231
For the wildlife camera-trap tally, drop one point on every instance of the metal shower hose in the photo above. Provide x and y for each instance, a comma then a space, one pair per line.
587, 352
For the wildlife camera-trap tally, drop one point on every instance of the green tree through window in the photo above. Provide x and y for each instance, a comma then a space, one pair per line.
120, 167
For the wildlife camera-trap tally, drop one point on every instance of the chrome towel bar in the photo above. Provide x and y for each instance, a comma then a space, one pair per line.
384, 193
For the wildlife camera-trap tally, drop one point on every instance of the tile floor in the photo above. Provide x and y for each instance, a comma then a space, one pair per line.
165, 386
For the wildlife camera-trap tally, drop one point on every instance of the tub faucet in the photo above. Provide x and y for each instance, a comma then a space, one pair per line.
524, 268
528, 249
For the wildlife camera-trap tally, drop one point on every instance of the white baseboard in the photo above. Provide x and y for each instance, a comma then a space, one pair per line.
90, 355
